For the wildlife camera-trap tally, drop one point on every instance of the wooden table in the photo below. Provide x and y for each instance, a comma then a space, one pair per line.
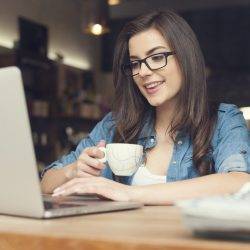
152, 227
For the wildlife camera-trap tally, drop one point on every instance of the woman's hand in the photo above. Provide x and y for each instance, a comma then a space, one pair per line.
96, 185
87, 164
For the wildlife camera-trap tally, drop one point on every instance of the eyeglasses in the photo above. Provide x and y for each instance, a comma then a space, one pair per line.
153, 62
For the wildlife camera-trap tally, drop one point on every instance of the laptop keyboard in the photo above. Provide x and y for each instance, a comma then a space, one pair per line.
54, 205
68, 201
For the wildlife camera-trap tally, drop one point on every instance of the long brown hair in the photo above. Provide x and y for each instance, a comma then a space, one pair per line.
195, 115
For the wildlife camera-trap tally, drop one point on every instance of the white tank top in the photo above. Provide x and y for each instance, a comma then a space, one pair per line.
144, 177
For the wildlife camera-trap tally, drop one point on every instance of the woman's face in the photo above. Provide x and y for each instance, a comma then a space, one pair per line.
161, 86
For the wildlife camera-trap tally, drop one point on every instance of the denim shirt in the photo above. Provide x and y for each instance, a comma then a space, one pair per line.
230, 145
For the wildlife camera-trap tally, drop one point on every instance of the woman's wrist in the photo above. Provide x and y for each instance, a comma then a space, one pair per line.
135, 193
150, 194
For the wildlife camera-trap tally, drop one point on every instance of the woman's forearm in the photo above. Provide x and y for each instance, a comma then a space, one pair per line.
56, 177
165, 194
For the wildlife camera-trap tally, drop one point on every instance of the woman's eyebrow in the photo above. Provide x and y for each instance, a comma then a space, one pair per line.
149, 52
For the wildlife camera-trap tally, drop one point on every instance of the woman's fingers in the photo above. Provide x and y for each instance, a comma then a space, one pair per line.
94, 152
90, 161
75, 186
88, 164
83, 169
101, 143
94, 185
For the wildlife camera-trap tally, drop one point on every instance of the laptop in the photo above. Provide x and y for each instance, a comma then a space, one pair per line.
20, 192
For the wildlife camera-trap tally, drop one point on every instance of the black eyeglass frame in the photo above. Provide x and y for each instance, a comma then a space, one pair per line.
166, 54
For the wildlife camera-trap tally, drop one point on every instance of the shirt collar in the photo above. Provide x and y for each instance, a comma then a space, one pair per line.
148, 129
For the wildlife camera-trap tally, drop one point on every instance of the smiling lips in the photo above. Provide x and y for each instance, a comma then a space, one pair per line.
153, 87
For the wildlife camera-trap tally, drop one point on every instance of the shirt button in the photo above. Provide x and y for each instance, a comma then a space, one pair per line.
174, 162
152, 140
179, 142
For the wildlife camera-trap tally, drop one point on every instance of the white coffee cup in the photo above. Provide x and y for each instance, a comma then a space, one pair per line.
123, 158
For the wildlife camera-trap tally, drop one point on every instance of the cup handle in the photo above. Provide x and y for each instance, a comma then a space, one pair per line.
104, 159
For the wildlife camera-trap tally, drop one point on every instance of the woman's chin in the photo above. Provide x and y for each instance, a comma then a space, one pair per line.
158, 101
155, 103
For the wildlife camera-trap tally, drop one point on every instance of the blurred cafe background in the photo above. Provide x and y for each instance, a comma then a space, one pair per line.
64, 49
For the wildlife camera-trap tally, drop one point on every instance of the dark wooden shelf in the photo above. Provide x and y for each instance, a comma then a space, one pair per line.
65, 118
47, 86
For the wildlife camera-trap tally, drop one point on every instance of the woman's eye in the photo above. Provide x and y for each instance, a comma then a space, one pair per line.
157, 58
135, 65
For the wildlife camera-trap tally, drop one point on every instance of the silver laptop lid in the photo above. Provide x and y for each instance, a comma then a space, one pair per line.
20, 192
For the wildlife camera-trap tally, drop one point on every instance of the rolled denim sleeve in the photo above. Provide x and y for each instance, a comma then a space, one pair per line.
102, 131
231, 152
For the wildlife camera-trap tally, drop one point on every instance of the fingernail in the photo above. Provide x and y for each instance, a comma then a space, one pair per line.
58, 193
56, 190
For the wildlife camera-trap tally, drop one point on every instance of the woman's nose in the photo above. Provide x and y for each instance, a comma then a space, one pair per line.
144, 70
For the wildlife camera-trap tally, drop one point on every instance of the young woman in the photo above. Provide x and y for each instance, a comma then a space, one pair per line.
192, 148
